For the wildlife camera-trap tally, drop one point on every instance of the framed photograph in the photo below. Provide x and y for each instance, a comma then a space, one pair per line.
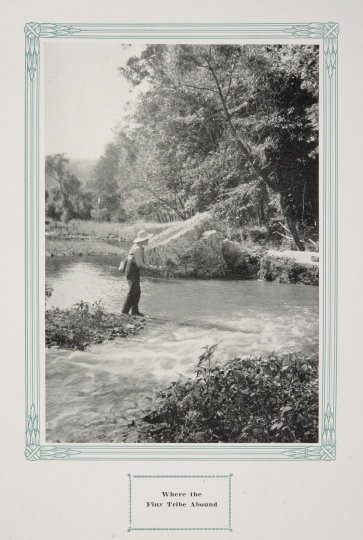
181, 241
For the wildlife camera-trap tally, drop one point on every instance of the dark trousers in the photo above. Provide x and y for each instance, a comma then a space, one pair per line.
133, 297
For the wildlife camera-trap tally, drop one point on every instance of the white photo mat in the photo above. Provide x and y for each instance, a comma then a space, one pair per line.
36, 34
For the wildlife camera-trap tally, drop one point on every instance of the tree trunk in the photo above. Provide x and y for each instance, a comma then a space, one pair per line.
291, 225
261, 174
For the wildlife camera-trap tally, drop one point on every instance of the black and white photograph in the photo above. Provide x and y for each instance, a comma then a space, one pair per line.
181, 242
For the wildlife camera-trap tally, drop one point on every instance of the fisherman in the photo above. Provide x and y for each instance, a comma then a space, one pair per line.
134, 262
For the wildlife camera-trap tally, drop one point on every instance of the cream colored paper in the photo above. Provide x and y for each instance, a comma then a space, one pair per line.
89, 500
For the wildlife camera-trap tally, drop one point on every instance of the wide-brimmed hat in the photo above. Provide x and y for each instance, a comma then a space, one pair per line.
143, 235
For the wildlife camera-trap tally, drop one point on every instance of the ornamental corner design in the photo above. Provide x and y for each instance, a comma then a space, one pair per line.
33, 33
331, 32
328, 439
32, 47
32, 449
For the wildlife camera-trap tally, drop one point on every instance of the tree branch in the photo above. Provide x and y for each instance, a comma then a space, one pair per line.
244, 147
198, 87
230, 75
140, 186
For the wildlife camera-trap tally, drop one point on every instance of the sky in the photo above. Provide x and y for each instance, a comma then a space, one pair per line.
84, 96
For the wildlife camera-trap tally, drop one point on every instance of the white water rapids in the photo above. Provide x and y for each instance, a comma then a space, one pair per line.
91, 396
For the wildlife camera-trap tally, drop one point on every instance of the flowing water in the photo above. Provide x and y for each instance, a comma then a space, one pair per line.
93, 396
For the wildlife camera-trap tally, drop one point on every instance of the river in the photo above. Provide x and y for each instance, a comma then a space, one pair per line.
93, 396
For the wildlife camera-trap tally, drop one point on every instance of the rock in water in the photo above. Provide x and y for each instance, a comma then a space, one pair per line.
290, 267
191, 248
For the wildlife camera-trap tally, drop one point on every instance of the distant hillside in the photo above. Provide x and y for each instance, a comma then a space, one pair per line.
82, 168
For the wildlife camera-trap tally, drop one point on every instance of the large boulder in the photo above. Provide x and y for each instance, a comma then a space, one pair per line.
242, 261
192, 248
290, 267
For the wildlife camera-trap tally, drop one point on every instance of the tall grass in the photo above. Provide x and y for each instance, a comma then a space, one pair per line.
69, 247
125, 231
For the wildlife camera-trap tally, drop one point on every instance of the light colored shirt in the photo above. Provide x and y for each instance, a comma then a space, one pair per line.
138, 253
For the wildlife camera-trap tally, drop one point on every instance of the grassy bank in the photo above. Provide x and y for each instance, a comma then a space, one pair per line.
124, 231
70, 247
259, 399
84, 324
79, 238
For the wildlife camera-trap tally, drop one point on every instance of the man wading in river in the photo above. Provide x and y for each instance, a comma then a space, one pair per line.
135, 261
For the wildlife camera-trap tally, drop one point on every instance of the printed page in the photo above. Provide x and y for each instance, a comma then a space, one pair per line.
212, 382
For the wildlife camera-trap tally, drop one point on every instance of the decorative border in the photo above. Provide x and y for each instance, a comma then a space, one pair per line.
327, 33
229, 528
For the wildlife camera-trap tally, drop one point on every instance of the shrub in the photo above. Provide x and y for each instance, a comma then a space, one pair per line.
258, 399
256, 234
83, 324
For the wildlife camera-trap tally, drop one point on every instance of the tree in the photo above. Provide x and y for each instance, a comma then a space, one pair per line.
265, 97
54, 207
55, 167
105, 184
75, 202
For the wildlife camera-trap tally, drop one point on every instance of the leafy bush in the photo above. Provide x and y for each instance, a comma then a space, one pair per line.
83, 324
258, 399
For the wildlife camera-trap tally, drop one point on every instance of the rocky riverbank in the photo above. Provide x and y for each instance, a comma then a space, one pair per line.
198, 248
201, 248
290, 267
192, 248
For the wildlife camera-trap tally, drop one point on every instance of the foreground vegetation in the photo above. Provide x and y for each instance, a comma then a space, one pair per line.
84, 324
258, 399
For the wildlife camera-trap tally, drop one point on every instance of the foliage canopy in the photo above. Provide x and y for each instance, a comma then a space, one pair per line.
216, 117
228, 128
